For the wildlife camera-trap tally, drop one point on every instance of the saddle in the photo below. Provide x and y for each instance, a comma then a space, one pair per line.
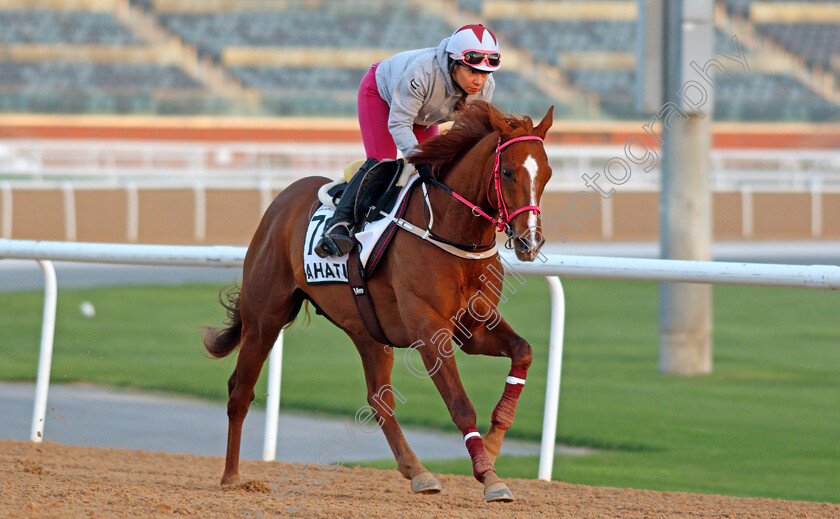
374, 235
378, 191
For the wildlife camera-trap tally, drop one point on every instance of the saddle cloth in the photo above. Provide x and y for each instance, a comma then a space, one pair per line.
374, 238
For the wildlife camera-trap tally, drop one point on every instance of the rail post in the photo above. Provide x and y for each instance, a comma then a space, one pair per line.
42, 385
552, 381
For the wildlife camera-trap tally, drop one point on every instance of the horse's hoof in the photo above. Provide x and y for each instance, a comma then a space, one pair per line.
498, 492
229, 481
425, 483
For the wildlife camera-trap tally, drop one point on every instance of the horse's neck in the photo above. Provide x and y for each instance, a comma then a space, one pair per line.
453, 219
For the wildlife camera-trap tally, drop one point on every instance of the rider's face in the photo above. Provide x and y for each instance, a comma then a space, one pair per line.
470, 79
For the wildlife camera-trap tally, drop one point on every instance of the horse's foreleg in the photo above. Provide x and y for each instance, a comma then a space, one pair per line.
378, 364
444, 374
502, 341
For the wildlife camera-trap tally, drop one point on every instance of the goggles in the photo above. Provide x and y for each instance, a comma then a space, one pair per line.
477, 57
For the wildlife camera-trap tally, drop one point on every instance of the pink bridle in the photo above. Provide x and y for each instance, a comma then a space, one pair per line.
505, 217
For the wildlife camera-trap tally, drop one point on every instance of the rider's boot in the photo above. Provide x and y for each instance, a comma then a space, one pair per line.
337, 239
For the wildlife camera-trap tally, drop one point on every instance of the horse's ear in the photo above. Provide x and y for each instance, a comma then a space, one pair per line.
545, 124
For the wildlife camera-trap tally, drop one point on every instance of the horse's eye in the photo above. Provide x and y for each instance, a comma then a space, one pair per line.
508, 173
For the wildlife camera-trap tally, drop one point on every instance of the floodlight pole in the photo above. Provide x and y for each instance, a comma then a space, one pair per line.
685, 228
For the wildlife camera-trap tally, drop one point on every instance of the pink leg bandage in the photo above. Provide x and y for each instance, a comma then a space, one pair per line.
506, 408
481, 463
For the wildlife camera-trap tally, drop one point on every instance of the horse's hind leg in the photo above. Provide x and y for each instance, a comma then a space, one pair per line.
261, 324
378, 364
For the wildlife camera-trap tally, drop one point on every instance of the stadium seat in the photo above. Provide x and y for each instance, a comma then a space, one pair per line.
593, 53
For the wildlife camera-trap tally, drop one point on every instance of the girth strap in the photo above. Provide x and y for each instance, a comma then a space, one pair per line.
364, 303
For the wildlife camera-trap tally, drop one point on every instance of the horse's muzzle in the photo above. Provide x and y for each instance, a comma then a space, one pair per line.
528, 246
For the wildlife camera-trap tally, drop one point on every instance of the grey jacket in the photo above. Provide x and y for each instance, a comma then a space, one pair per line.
417, 86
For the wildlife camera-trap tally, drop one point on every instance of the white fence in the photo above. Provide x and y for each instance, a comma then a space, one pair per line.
242, 163
816, 276
268, 187
128, 167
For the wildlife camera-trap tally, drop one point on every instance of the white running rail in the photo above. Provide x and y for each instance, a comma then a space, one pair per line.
825, 277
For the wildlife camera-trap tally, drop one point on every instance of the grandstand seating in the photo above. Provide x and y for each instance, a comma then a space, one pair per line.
145, 4
516, 94
816, 42
747, 97
64, 27
332, 91
547, 39
210, 33
36, 76
742, 7
471, 5
149, 102
320, 91
300, 78
93, 77
590, 47
742, 97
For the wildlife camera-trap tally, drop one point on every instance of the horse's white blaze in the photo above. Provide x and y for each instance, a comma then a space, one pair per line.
532, 168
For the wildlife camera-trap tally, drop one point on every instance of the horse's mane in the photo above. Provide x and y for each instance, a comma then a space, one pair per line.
473, 124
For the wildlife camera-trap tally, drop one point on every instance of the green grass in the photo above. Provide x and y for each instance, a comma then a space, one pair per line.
765, 423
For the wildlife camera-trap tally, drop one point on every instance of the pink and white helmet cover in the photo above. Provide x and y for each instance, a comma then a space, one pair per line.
475, 37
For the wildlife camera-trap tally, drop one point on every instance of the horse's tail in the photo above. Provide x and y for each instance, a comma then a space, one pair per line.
221, 342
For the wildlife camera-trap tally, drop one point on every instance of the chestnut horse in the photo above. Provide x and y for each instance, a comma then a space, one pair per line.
496, 161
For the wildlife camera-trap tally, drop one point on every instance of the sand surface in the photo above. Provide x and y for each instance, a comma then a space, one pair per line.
53, 480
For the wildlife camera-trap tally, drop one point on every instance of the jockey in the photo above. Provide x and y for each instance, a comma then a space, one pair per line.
401, 102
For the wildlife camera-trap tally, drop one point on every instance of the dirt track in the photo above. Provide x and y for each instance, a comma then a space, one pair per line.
52, 480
